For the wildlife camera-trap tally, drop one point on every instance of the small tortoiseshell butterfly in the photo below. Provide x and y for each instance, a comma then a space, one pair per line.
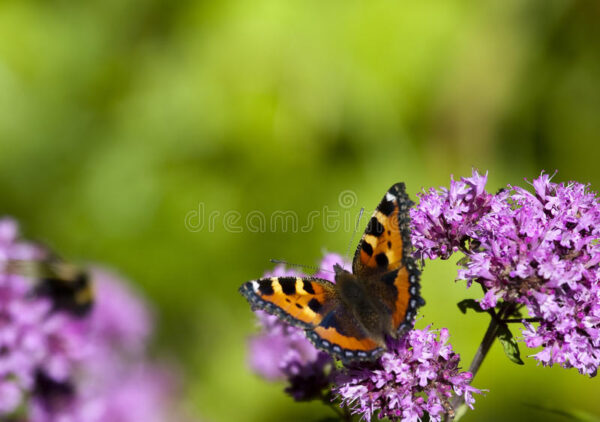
351, 318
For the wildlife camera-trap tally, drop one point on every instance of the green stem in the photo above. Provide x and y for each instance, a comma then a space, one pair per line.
517, 320
484, 347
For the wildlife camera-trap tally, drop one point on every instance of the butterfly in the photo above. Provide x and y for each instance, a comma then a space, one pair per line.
352, 318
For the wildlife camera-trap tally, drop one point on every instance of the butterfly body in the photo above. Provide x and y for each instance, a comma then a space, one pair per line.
361, 298
352, 318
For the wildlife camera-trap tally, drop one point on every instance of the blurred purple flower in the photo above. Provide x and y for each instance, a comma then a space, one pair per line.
279, 347
119, 318
127, 393
31, 338
58, 368
418, 374
282, 351
113, 372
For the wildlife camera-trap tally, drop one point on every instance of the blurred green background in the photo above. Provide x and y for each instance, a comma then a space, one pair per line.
122, 121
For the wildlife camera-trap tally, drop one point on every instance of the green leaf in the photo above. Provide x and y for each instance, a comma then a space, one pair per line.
465, 304
338, 364
464, 261
511, 348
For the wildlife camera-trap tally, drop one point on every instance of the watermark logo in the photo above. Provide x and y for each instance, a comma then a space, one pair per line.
329, 219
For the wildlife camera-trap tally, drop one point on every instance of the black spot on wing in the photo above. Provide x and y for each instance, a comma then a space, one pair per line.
374, 227
257, 302
331, 321
366, 246
382, 259
390, 244
288, 285
390, 277
314, 305
265, 287
386, 207
335, 319
308, 287
299, 306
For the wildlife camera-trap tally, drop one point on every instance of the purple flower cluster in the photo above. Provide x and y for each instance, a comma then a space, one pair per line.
283, 352
112, 371
31, 339
55, 367
446, 217
418, 374
539, 250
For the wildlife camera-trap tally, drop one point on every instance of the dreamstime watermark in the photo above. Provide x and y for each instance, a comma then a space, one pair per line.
281, 221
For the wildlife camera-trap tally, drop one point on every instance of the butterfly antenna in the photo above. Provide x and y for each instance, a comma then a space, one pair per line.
360, 214
309, 267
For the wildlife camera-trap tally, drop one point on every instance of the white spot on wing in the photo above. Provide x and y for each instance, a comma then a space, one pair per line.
255, 286
389, 197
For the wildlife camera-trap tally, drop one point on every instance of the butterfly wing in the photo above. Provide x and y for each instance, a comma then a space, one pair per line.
385, 245
302, 302
313, 304
340, 335
383, 258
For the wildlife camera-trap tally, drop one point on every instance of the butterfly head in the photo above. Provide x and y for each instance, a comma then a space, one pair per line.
339, 270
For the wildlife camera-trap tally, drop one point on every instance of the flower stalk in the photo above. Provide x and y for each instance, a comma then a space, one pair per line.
489, 337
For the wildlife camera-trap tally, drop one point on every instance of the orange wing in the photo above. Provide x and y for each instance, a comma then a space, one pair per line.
341, 336
302, 302
313, 304
386, 242
402, 297
383, 258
